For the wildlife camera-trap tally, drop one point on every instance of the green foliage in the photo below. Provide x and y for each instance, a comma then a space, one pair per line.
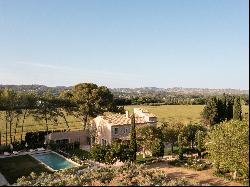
189, 132
237, 109
127, 175
98, 152
200, 141
181, 143
210, 114
109, 154
228, 146
4, 148
218, 109
191, 163
133, 143
151, 139
157, 148
90, 101
170, 131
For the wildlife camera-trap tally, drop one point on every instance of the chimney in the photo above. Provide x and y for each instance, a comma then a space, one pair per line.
127, 114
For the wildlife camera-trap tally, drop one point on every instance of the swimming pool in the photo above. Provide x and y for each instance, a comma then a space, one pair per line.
54, 161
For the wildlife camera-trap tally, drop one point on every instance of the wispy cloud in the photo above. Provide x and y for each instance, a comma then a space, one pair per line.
46, 65
90, 73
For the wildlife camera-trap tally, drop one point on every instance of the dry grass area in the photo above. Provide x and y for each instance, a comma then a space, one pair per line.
183, 113
202, 177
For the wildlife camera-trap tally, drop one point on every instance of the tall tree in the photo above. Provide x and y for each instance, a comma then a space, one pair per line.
237, 109
181, 142
28, 103
90, 101
210, 113
189, 132
133, 144
46, 110
9, 104
229, 107
170, 131
200, 141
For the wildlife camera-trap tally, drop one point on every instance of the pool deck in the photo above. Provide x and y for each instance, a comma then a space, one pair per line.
23, 153
3, 181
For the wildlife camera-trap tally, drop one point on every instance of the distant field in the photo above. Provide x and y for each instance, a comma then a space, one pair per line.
31, 124
183, 113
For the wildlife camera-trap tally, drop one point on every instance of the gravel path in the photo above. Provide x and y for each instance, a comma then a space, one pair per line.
202, 177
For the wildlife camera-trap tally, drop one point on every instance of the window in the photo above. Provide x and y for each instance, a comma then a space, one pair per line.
116, 130
104, 142
63, 141
126, 129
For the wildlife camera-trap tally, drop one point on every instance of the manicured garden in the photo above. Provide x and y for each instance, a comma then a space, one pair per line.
17, 166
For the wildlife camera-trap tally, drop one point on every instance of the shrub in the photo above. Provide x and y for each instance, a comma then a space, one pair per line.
4, 148
98, 153
157, 148
191, 163
228, 146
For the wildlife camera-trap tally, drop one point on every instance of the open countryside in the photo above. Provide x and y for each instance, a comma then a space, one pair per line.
177, 113
124, 93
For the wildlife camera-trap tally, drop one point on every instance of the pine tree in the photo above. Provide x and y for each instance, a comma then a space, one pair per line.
237, 109
133, 144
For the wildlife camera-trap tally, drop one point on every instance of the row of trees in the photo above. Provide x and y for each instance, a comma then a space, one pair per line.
166, 99
84, 101
222, 108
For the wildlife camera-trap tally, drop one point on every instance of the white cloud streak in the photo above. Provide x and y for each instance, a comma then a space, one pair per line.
90, 73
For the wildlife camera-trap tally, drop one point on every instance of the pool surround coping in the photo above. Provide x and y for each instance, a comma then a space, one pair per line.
48, 167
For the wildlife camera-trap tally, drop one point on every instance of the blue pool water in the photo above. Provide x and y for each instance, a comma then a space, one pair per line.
54, 161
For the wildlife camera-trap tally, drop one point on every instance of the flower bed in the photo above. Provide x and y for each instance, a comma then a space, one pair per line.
191, 163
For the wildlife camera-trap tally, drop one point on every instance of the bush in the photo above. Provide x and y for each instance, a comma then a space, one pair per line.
191, 163
157, 148
4, 148
36, 139
17, 146
127, 175
228, 146
98, 152
111, 153
168, 151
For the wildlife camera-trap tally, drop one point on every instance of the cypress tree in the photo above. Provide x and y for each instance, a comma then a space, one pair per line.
222, 108
229, 107
180, 145
133, 144
210, 113
237, 109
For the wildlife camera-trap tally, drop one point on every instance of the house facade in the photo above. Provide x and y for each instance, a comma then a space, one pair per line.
117, 126
70, 137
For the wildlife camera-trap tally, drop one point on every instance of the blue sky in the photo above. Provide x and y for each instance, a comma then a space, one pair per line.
125, 43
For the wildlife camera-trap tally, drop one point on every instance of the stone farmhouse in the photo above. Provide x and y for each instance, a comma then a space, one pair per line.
117, 126
108, 128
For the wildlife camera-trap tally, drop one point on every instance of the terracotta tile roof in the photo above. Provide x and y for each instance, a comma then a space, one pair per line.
121, 119
146, 112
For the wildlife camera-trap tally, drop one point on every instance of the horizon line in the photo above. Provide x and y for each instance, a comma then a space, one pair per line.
130, 87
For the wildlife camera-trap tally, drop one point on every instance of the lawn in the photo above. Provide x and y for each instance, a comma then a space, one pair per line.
17, 166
